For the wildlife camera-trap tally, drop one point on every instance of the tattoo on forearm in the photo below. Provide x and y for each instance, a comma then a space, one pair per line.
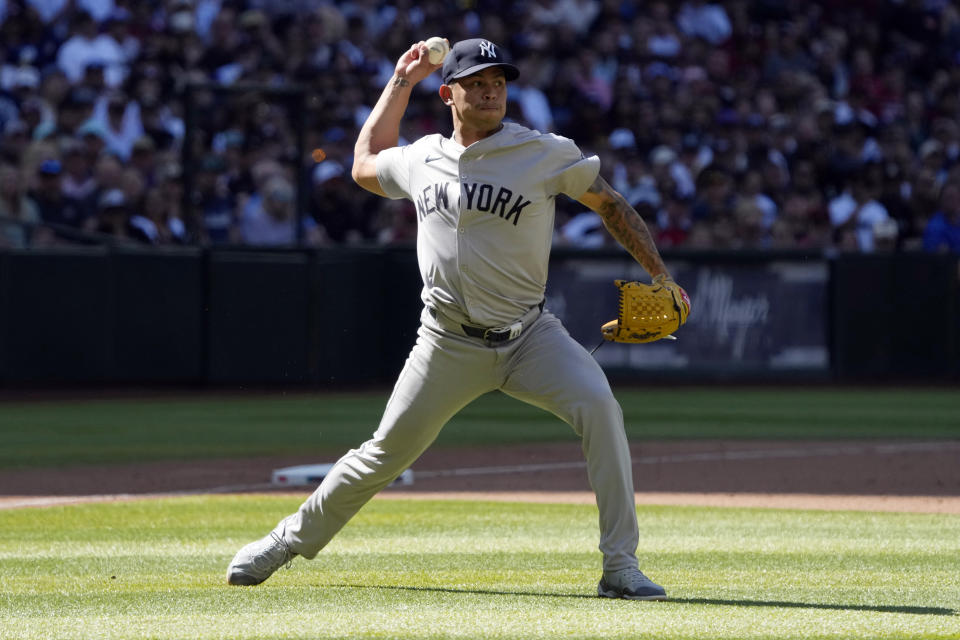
401, 82
627, 227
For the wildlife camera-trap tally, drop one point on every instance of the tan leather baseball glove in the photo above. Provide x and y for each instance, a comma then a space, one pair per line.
648, 312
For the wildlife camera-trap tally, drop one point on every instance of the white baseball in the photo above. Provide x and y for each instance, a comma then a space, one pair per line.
438, 48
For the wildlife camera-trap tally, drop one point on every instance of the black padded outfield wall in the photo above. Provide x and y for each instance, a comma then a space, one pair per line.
59, 316
159, 309
98, 316
896, 317
257, 318
332, 318
367, 310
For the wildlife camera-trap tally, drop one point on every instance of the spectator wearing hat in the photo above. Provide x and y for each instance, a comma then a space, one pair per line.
72, 112
53, 207
19, 215
214, 203
634, 180
665, 165
336, 206
112, 215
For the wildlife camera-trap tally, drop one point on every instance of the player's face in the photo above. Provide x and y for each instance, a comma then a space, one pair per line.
481, 98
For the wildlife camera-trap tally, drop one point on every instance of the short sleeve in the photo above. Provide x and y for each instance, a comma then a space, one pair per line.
573, 172
393, 173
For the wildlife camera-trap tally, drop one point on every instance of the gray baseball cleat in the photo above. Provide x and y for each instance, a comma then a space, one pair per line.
258, 560
630, 584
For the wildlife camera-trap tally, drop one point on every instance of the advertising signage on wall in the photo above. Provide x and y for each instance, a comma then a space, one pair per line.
746, 317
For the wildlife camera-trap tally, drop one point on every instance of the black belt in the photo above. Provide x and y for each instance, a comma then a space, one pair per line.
498, 334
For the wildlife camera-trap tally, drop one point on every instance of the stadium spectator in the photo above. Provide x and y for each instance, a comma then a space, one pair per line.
87, 46
118, 119
858, 218
268, 218
19, 215
15, 141
78, 183
942, 232
52, 206
216, 204
333, 203
801, 225
155, 223
72, 112
112, 215
805, 95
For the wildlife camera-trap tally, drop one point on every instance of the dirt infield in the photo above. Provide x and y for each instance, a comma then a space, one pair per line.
876, 475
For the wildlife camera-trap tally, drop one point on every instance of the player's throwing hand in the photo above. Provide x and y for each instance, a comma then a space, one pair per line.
414, 65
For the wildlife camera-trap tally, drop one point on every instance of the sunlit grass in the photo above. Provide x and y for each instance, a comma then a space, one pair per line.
420, 569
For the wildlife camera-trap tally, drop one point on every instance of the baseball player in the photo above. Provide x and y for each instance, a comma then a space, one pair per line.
485, 206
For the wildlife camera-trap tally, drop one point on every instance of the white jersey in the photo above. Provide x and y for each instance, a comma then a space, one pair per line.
485, 216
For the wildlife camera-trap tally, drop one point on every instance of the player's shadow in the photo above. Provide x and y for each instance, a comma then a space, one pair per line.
925, 611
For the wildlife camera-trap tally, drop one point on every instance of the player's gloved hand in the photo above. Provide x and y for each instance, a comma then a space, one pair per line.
680, 295
648, 312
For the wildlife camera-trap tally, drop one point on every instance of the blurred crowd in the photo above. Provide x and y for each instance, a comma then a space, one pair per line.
763, 124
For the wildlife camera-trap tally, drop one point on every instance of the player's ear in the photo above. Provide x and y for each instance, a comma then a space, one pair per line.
446, 94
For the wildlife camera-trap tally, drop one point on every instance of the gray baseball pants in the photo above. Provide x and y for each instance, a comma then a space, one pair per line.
447, 370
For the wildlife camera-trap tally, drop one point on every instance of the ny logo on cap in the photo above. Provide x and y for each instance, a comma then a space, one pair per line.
488, 49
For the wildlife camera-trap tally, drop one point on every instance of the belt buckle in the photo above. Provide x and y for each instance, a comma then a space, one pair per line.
500, 334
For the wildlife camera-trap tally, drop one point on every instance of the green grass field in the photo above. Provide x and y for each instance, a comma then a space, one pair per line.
37, 434
412, 569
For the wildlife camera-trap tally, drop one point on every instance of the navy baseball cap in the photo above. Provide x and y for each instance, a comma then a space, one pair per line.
49, 167
470, 56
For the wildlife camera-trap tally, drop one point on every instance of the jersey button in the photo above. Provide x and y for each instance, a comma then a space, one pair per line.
461, 230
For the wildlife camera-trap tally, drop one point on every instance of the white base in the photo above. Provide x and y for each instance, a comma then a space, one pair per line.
313, 474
